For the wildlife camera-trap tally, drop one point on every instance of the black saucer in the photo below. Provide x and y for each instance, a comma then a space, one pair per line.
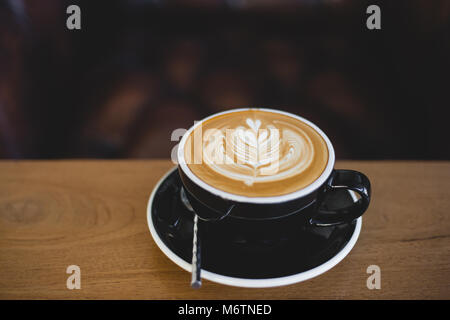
311, 252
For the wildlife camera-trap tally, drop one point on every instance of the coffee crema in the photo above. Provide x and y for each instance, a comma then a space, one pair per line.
256, 153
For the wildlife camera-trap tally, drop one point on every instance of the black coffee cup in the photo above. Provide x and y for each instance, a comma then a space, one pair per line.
265, 215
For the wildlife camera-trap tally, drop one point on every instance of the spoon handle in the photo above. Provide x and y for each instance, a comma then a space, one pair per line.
196, 281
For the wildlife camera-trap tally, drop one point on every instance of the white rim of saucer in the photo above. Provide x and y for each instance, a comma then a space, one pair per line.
274, 199
244, 282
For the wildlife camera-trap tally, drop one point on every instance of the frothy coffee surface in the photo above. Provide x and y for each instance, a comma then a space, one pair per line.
256, 153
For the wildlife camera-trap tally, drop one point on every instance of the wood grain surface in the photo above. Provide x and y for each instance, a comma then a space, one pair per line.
93, 214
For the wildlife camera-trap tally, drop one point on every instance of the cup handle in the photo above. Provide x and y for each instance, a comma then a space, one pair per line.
338, 180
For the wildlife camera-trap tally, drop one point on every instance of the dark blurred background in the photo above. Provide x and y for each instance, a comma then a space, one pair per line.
139, 69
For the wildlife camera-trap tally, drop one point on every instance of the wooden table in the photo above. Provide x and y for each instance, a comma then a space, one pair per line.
93, 214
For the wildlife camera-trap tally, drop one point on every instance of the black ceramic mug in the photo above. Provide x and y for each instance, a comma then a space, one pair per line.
265, 216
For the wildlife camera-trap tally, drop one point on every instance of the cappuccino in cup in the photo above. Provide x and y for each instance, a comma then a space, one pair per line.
265, 165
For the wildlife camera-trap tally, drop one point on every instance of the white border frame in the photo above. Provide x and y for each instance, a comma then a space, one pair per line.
242, 282
275, 199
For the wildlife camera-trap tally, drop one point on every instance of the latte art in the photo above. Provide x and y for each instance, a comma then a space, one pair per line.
256, 153
251, 153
